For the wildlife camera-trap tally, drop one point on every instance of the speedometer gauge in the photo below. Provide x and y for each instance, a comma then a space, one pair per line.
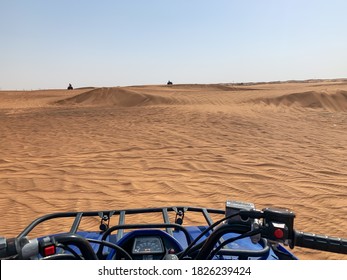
148, 245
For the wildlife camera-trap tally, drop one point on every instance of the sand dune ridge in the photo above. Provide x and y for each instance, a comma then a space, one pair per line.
121, 97
311, 99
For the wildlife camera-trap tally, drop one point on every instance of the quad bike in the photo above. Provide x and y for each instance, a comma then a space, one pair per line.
240, 232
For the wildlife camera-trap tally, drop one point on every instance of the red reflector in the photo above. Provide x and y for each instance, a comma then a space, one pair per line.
278, 233
50, 250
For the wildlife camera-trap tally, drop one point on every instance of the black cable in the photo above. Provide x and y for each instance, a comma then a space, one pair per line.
67, 248
230, 240
111, 245
76, 240
192, 249
186, 251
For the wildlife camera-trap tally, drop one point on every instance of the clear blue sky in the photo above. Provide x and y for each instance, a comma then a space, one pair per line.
48, 44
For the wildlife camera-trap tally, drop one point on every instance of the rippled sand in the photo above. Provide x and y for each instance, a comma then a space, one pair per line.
281, 144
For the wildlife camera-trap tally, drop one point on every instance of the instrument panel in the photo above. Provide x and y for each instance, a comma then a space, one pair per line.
148, 245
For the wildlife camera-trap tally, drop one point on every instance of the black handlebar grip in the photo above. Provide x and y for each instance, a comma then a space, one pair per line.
321, 242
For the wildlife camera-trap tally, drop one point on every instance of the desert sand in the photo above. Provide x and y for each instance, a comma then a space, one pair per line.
273, 144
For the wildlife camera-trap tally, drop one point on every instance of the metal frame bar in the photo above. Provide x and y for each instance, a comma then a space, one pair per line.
122, 214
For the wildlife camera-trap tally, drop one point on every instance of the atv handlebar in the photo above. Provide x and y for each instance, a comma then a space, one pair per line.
22, 248
269, 227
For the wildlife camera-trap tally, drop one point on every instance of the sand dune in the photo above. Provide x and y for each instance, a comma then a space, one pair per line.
278, 144
336, 102
113, 97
